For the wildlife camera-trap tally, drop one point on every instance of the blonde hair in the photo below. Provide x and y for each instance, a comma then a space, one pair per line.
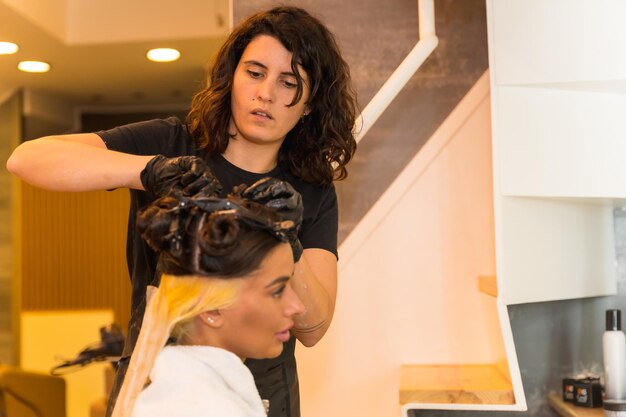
169, 308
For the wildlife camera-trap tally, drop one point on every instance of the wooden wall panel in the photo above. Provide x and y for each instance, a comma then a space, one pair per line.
73, 251
11, 133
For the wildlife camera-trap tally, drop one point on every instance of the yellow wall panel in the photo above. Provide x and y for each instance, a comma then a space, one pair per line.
49, 337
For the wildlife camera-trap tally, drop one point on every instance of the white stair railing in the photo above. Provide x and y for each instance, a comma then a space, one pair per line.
378, 104
427, 43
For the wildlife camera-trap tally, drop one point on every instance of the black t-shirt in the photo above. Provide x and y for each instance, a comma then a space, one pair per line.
170, 137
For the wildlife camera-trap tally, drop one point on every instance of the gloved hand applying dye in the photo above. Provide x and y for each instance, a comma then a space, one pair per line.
281, 196
187, 175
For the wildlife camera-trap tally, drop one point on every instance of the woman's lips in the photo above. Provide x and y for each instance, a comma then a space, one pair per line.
262, 114
284, 335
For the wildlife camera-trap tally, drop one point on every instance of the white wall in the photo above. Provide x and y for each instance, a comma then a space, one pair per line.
408, 294
110, 21
79, 22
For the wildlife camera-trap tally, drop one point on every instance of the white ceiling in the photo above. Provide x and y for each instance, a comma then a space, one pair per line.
97, 48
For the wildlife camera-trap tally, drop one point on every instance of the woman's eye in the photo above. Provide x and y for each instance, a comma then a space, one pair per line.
289, 84
279, 292
254, 74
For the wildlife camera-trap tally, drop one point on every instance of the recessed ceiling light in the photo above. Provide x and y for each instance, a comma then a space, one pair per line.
33, 66
7, 48
163, 55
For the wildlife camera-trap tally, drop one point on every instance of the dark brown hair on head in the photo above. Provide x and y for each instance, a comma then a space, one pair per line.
195, 241
317, 149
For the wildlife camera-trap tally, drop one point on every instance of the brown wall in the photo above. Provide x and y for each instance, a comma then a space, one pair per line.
73, 251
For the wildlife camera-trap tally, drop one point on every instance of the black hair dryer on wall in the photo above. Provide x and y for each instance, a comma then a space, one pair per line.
109, 349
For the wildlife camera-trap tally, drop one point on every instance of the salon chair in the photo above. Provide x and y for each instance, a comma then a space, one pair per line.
30, 394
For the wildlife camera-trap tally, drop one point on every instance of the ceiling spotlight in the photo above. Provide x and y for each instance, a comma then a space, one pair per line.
33, 66
163, 55
8, 48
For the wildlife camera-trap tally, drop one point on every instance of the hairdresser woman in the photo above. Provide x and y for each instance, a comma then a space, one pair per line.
279, 104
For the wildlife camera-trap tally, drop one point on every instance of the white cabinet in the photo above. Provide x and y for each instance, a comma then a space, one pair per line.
557, 41
559, 144
552, 249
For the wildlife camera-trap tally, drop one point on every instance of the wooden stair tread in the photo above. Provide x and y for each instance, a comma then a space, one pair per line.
454, 384
488, 285
570, 410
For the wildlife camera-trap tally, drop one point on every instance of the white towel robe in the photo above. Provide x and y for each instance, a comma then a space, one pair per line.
199, 381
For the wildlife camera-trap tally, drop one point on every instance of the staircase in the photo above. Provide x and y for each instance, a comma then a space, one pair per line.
454, 67
396, 319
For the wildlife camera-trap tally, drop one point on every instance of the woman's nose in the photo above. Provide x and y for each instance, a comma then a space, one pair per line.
294, 304
265, 91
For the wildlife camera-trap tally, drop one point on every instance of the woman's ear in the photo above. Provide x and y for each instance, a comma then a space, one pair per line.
212, 318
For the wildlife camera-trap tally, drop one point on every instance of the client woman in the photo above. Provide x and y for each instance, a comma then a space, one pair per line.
223, 296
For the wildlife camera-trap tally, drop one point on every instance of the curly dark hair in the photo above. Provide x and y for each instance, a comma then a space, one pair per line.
317, 149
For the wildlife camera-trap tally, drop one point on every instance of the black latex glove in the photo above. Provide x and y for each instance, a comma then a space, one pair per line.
187, 175
282, 197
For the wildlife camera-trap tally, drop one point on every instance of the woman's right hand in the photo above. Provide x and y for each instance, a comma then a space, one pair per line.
188, 175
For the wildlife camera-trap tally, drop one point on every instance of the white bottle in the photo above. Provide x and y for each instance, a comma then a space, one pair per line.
614, 355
